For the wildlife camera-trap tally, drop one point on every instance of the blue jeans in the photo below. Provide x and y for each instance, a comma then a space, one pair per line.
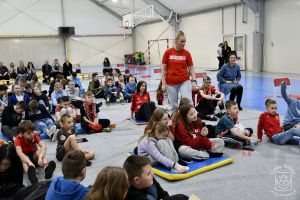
43, 125
287, 137
185, 90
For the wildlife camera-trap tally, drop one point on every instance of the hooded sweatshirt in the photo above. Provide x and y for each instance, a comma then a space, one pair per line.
62, 189
292, 115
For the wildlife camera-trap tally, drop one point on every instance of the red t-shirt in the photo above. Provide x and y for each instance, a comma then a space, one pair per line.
210, 91
137, 100
177, 63
269, 123
26, 145
192, 139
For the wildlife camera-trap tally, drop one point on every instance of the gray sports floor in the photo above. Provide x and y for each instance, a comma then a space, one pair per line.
251, 176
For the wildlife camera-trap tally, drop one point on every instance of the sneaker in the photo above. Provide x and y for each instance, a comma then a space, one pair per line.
107, 129
88, 163
32, 175
214, 154
51, 131
99, 104
231, 142
248, 147
240, 108
50, 169
54, 136
186, 170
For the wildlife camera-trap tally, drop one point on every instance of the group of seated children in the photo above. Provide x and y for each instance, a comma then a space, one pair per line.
132, 182
186, 137
113, 87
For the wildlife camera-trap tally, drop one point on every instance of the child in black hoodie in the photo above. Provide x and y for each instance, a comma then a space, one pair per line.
142, 184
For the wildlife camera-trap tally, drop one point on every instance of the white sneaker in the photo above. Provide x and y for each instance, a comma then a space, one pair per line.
54, 138
51, 131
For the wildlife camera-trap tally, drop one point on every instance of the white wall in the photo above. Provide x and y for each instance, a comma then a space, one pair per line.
40, 18
281, 41
159, 30
241, 28
203, 33
88, 51
35, 50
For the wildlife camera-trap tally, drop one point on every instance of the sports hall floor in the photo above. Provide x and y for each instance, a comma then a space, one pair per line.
251, 176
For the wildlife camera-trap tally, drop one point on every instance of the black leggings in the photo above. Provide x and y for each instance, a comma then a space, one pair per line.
207, 107
145, 111
236, 91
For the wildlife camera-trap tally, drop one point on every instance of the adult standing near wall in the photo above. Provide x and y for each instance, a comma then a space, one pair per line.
220, 55
229, 77
226, 51
177, 64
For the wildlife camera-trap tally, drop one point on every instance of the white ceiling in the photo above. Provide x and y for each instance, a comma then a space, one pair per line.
180, 6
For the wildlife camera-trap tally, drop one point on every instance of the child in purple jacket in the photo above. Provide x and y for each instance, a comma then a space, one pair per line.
159, 148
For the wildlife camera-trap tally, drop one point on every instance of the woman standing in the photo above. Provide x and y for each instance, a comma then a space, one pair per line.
225, 51
229, 77
177, 64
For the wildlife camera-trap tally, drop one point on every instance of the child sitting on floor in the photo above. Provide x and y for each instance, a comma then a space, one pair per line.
13, 116
110, 184
96, 87
68, 186
31, 156
292, 116
209, 101
40, 97
89, 116
56, 94
74, 93
28, 89
43, 121
160, 94
142, 183
159, 148
18, 95
191, 134
226, 127
141, 105
130, 88
77, 82
65, 107
112, 93
67, 141
270, 123
176, 114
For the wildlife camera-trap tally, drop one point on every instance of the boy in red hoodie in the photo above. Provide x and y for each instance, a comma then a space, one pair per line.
270, 123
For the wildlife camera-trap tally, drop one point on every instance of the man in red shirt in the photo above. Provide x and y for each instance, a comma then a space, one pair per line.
270, 123
27, 143
177, 63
